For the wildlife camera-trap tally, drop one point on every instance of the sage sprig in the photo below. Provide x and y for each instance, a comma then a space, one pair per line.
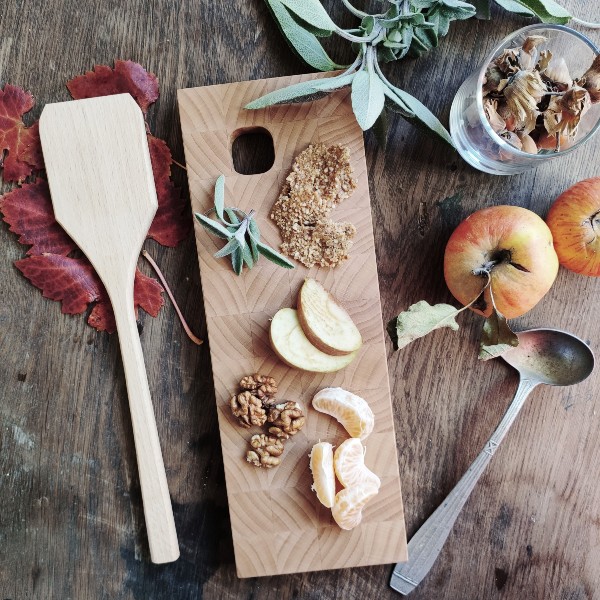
407, 28
241, 232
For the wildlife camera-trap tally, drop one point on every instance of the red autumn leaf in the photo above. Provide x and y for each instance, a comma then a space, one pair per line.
74, 282
126, 77
28, 211
20, 148
172, 222
147, 294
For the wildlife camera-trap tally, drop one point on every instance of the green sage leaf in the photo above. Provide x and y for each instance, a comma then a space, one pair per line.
548, 11
394, 103
254, 230
422, 115
233, 218
497, 337
419, 320
231, 246
303, 42
253, 247
220, 196
302, 92
247, 256
214, 227
367, 98
380, 129
312, 12
274, 256
237, 261
514, 7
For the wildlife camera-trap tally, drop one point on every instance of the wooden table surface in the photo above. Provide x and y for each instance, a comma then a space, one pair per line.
71, 521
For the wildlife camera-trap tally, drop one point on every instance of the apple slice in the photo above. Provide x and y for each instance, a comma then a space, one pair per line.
294, 349
326, 324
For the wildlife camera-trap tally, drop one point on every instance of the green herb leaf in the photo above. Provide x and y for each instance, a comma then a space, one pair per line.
312, 12
237, 261
497, 337
547, 10
397, 105
380, 129
214, 227
220, 196
247, 256
303, 42
231, 246
253, 230
422, 115
302, 92
274, 256
515, 7
233, 218
419, 320
367, 98
253, 247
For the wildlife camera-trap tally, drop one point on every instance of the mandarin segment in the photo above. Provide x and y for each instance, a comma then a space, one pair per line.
321, 467
349, 465
349, 503
352, 411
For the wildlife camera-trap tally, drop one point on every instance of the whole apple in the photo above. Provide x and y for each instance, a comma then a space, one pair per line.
514, 246
574, 220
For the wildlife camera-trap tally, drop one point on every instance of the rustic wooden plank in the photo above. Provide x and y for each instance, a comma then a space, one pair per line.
71, 524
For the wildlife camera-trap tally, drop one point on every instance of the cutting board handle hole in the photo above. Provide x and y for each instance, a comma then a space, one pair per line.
252, 150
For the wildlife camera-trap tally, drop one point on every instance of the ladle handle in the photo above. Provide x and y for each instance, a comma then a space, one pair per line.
425, 546
158, 512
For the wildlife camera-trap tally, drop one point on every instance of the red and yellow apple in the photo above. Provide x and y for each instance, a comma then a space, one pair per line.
574, 220
514, 246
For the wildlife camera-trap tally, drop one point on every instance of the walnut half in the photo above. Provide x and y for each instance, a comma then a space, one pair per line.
286, 419
266, 451
248, 409
261, 386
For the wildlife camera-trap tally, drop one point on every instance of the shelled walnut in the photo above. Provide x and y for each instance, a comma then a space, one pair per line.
286, 419
248, 409
261, 386
266, 451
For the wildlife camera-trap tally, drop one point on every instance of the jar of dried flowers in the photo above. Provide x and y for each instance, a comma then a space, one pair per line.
536, 97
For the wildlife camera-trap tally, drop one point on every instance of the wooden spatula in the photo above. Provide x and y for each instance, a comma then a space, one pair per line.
100, 177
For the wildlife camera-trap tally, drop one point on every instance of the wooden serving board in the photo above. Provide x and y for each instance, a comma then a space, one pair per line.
278, 524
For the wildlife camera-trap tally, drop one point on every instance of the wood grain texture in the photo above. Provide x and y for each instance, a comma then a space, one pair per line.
71, 520
276, 509
100, 176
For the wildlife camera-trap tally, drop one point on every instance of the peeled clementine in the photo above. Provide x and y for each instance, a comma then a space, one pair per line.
349, 503
321, 466
574, 220
349, 465
350, 410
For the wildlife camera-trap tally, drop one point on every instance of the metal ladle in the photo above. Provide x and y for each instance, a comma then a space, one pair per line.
545, 356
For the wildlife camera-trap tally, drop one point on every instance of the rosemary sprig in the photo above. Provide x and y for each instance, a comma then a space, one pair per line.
241, 232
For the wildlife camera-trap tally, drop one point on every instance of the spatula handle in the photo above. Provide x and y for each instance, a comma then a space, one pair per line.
160, 525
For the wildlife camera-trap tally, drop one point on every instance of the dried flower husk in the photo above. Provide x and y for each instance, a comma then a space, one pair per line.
591, 81
564, 113
527, 143
544, 60
496, 121
528, 54
493, 77
558, 74
524, 91
508, 62
512, 138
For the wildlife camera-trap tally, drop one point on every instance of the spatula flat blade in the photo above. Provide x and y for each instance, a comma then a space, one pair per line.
100, 176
